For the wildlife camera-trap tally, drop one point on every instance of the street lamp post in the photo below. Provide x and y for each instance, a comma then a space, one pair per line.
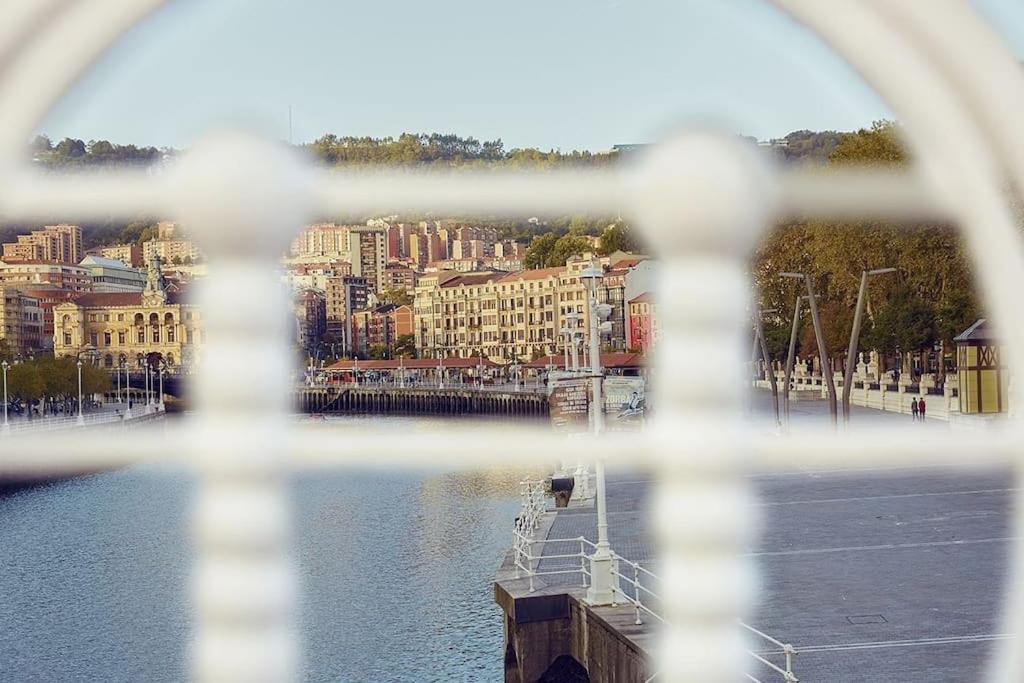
440, 374
160, 403
790, 356
851, 352
117, 373
823, 359
7, 425
127, 391
759, 334
602, 585
81, 418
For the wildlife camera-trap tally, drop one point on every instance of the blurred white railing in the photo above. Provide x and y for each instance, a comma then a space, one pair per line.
701, 200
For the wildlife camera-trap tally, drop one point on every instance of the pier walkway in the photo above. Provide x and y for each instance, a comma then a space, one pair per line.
879, 574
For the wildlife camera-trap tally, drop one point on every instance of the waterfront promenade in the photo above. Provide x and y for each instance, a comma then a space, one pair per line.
105, 414
872, 574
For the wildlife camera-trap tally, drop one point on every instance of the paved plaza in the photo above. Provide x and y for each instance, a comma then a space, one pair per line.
881, 575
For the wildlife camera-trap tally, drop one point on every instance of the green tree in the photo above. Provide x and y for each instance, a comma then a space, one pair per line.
617, 237
24, 382
539, 252
396, 296
6, 353
95, 380
405, 346
566, 247
378, 351
147, 234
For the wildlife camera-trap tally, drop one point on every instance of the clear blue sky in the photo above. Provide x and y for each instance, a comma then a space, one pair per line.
582, 74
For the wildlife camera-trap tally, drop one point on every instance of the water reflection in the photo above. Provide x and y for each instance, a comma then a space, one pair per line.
396, 571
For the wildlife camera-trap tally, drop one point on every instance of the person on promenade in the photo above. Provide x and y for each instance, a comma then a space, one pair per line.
921, 407
913, 408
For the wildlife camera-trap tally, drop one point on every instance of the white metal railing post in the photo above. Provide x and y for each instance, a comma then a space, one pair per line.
702, 200
242, 198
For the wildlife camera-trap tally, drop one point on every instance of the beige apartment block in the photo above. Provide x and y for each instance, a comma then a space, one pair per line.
501, 316
59, 243
322, 240
171, 250
128, 254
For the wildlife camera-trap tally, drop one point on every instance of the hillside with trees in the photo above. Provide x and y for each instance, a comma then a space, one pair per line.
407, 150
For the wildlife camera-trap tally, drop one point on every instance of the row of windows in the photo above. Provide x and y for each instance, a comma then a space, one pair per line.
137, 318
107, 338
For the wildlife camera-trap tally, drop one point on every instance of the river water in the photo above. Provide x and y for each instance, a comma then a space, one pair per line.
396, 572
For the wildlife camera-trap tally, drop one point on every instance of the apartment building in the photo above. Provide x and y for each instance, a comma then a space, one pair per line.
344, 295
65, 276
21, 321
397, 276
645, 327
367, 248
171, 250
128, 254
501, 316
381, 326
58, 243
322, 240
310, 306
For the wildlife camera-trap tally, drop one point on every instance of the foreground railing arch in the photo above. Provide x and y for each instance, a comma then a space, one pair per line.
701, 199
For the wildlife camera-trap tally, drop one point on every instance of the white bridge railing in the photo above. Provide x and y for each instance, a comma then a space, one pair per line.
701, 200
532, 563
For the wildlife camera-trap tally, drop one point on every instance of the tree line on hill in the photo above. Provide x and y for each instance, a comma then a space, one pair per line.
929, 299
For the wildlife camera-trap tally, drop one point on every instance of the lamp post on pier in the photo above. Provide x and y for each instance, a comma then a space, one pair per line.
127, 389
7, 425
759, 334
851, 352
160, 403
823, 359
602, 584
80, 421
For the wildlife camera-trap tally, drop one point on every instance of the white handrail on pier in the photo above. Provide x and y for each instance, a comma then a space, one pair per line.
527, 563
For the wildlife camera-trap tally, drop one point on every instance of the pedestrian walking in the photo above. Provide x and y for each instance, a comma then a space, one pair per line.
913, 408
921, 407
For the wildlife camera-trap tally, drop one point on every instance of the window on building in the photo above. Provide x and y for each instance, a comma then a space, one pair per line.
106, 339
67, 339
142, 335
94, 339
120, 337
170, 335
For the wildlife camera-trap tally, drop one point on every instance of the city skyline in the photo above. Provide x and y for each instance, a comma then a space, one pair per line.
636, 69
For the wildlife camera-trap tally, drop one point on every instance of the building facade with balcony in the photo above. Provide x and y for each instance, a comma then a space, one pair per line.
21, 322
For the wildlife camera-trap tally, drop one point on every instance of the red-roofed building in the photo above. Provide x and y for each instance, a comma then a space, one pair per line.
645, 329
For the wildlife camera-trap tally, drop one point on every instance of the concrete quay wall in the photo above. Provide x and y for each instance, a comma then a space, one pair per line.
552, 634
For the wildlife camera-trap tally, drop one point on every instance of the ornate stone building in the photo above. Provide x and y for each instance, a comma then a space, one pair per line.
129, 326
